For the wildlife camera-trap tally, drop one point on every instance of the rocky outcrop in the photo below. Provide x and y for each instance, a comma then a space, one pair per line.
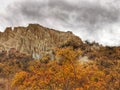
35, 39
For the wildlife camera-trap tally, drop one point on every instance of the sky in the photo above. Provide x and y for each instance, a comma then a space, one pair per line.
92, 20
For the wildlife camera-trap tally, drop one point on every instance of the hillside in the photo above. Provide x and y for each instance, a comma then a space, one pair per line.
39, 58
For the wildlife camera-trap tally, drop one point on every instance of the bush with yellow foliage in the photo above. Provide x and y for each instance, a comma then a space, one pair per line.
68, 74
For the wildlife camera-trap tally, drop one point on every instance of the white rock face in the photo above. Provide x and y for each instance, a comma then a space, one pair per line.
84, 59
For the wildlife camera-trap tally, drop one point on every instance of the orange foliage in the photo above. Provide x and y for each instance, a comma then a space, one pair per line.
70, 75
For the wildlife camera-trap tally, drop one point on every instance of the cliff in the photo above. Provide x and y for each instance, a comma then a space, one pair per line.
36, 39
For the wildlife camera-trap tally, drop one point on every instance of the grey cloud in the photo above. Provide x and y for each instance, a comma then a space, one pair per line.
87, 13
83, 18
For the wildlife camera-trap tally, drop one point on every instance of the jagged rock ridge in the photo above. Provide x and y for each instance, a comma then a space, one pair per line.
35, 39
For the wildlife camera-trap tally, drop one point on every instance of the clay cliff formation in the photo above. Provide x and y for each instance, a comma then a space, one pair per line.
36, 40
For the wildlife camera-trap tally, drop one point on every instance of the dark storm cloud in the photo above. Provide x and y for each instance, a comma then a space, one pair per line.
83, 18
61, 10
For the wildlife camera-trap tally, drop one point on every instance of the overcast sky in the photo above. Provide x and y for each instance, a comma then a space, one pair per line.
93, 20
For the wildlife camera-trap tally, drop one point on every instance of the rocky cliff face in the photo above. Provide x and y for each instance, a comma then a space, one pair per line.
36, 39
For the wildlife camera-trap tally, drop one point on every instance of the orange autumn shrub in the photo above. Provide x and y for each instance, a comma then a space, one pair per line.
70, 74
